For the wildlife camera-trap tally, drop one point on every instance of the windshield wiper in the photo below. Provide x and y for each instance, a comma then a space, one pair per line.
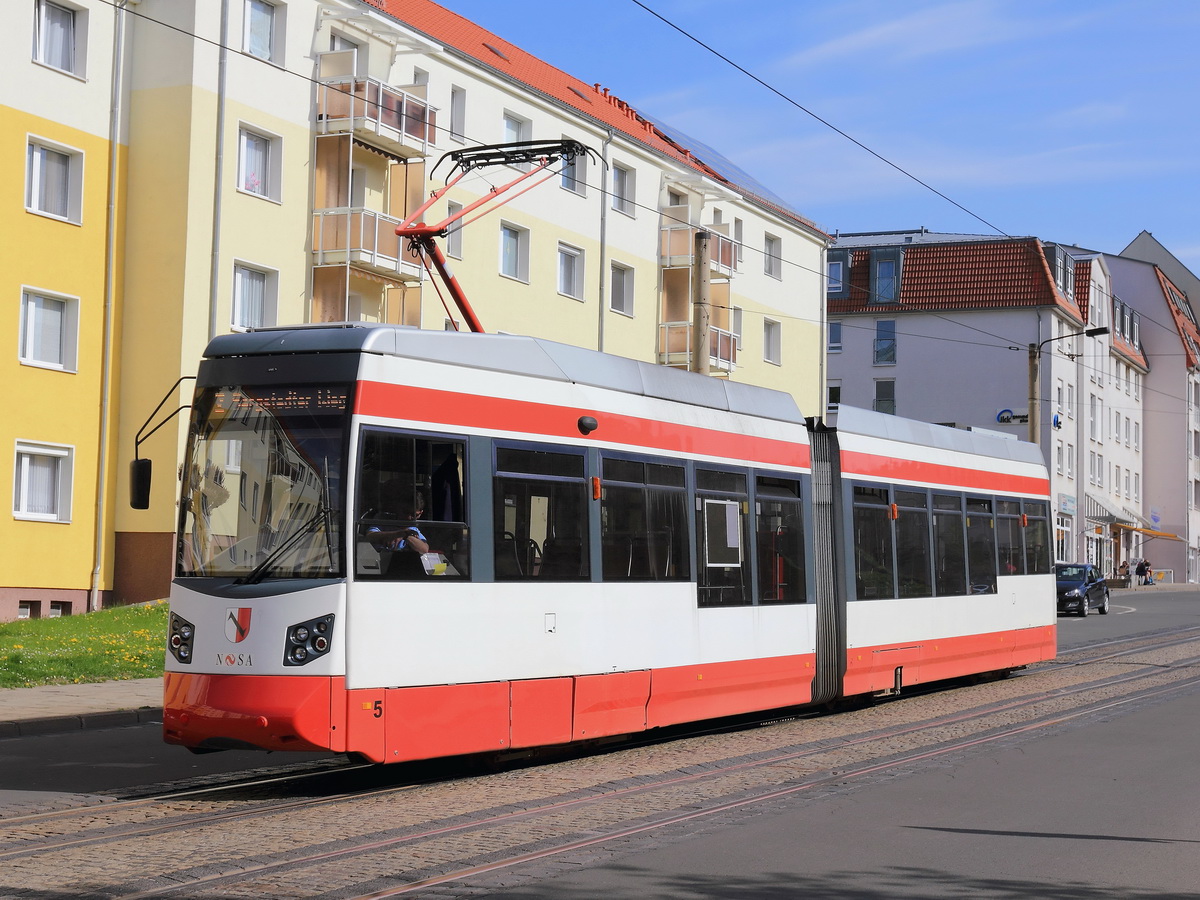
323, 516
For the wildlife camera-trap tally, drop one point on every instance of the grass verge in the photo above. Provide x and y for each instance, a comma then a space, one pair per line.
120, 643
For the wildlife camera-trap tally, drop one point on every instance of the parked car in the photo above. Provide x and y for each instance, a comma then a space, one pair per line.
1081, 588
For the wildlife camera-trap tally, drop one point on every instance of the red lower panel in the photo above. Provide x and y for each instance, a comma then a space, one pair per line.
541, 712
871, 669
446, 720
611, 704
270, 712
689, 693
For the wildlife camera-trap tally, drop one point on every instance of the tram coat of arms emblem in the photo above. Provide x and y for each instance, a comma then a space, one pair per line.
237, 623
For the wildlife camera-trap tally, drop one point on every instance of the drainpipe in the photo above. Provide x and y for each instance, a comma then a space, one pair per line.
218, 174
603, 237
110, 247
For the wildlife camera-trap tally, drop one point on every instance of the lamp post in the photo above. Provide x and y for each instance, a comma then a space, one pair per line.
1035, 357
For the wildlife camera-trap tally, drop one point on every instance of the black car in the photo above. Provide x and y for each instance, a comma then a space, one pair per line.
1081, 588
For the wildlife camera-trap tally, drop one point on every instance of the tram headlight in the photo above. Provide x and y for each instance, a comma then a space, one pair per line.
180, 635
307, 641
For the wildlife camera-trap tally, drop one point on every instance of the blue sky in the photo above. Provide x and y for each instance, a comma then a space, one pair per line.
1077, 121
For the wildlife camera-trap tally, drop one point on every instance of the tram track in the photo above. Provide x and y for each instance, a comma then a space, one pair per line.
406, 837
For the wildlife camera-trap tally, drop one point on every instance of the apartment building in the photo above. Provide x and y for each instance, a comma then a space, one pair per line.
244, 163
993, 333
62, 152
1171, 430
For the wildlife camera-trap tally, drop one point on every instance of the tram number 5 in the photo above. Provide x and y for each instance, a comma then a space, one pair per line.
376, 709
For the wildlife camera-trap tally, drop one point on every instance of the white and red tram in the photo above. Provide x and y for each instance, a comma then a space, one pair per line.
405, 544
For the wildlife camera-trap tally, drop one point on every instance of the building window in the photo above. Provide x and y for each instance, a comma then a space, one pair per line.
454, 242
49, 331
885, 342
54, 181
42, 485
622, 289
254, 292
517, 129
574, 173
833, 398
623, 189
885, 397
1058, 457
261, 34
514, 252
772, 342
1070, 460
773, 256
259, 159
60, 37
458, 113
570, 271
735, 325
835, 275
885, 276
835, 337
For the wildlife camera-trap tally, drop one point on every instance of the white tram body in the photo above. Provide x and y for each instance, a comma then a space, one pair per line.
405, 544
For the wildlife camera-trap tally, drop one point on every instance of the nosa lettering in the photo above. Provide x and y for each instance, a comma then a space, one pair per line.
234, 660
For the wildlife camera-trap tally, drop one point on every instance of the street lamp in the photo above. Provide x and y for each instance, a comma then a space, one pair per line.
1035, 356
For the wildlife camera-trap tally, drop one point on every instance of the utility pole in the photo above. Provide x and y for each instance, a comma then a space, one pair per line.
701, 302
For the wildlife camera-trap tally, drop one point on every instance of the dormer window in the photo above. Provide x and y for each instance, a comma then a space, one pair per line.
885, 275
837, 273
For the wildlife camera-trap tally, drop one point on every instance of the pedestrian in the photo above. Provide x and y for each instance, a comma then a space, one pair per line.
1140, 571
1149, 573
1123, 569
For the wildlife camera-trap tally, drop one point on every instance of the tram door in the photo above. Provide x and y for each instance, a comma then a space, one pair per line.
829, 584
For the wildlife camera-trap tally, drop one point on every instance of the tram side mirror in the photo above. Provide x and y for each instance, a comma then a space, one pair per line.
139, 483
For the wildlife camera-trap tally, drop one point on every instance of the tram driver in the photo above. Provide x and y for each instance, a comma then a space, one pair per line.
405, 537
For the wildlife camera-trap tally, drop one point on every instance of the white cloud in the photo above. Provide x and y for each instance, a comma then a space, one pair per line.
932, 31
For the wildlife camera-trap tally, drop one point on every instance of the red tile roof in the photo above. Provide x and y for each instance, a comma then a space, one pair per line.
1189, 333
591, 100
1000, 274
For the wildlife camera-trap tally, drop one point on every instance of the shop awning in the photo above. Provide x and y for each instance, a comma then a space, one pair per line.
1151, 532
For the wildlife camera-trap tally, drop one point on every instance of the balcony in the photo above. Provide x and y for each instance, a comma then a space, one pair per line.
677, 248
386, 117
362, 238
675, 347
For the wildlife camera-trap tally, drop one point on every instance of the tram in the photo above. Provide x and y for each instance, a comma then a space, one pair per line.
403, 544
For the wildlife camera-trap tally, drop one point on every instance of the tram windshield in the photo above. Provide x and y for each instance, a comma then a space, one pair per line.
263, 483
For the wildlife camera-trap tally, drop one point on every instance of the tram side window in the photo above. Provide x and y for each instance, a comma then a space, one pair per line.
780, 526
949, 545
1008, 537
722, 536
541, 515
874, 571
643, 521
1037, 537
913, 564
411, 512
981, 545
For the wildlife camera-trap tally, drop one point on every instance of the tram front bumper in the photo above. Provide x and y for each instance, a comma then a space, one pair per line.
260, 712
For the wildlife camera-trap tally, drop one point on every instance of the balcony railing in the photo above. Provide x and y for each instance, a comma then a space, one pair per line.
362, 238
675, 346
380, 114
677, 247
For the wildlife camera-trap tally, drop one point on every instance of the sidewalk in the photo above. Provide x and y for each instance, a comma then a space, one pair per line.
56, 708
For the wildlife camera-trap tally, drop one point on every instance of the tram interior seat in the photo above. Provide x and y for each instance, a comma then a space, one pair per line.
562, 558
